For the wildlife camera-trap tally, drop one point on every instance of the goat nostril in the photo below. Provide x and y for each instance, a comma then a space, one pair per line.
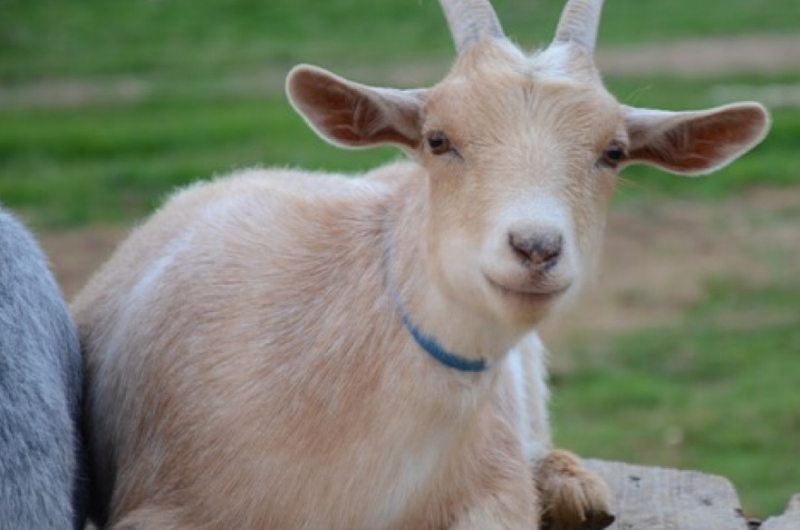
540, 250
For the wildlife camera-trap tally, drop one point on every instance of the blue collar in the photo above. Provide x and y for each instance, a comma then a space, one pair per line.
435, 350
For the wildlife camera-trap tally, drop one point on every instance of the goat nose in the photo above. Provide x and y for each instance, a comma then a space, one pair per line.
541, 250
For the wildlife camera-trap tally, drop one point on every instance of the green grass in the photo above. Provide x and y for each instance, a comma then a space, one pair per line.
72, 166
114, 162
209, 76
206, 97
718, 393
80, 37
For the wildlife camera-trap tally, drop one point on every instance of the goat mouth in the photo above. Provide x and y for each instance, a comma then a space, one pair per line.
528, 296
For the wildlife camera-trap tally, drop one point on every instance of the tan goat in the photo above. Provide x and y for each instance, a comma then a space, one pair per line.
285, 350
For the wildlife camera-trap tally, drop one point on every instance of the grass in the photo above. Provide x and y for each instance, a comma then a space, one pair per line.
716, 393
107, 106
73, 165
175, 37
169, 92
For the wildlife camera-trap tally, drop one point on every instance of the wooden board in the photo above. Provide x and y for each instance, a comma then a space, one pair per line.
650, 498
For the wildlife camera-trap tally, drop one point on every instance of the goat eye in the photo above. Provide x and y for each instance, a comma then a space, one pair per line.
438, 143
613, 155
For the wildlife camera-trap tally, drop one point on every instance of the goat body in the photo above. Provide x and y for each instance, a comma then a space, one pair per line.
284, 350
294, 377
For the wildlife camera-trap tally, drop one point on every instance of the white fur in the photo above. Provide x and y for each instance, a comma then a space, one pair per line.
526, 363
553, 62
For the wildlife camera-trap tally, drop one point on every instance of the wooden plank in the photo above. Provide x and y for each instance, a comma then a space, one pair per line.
790, 520
648, 498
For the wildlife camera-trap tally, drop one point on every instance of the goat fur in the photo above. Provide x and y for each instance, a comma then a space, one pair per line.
247, 363
43, 479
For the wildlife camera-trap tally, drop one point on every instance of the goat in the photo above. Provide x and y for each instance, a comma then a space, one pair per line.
43, 483
278, 349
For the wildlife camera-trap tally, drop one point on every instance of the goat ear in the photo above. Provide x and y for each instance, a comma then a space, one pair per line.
351, 115
694, 143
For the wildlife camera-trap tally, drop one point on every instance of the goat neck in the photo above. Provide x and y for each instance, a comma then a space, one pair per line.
421, 297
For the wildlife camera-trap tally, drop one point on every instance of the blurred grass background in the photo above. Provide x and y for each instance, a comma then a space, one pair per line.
107, 106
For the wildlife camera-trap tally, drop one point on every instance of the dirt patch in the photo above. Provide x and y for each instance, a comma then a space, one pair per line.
657, 262
705, 57
76, 254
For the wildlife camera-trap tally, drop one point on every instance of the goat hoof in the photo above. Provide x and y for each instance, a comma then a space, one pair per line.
572, 497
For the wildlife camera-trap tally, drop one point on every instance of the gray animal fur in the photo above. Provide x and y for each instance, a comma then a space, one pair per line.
41, 456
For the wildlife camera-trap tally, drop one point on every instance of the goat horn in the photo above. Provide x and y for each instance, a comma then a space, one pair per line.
471, 20
579, 22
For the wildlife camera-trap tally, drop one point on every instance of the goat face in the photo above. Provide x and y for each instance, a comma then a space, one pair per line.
521, 154
521, 166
